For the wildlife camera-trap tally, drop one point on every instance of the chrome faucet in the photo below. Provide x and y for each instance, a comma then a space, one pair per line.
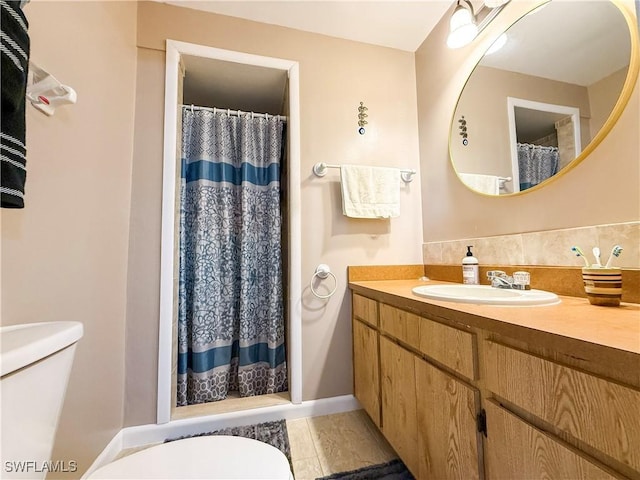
519, 281
499, 279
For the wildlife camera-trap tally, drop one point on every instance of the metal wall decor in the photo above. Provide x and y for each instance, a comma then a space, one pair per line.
463, 131
361, 118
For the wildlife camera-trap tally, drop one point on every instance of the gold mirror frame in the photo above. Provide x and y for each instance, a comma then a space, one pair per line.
616, 112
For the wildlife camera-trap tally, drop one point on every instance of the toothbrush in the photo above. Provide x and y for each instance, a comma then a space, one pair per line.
617, 250
579, 253
596, 253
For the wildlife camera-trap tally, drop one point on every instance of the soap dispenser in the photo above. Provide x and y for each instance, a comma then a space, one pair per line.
470, 268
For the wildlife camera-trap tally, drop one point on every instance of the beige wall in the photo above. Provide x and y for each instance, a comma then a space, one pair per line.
451, 211
602, 95
335, 75
64, 257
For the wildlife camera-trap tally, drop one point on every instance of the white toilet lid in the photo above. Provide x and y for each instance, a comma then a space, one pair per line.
213, 457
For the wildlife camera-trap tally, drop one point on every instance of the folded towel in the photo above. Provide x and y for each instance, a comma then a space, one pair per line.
370, 192
14, 48
489, 184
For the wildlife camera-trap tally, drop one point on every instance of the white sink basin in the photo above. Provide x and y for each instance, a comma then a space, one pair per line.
486, 295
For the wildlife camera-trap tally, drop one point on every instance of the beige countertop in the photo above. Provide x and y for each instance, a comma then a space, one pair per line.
574, 318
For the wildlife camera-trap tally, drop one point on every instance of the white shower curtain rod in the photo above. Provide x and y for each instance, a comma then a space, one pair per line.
236, 113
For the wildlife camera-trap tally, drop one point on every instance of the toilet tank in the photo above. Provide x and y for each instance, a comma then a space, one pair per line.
35, 363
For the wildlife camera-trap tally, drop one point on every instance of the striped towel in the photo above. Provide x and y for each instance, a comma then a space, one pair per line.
14, 53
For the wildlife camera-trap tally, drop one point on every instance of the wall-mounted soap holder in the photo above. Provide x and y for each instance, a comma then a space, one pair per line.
46, 93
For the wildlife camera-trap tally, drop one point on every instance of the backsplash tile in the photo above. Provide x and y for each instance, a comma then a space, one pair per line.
627, 235
553, 247
550, 247
503, 249
432, 253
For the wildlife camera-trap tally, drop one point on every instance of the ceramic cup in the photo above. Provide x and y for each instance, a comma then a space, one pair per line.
603, 286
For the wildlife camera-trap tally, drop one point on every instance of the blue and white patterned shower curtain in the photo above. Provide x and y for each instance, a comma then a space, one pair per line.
536, 163
231, 315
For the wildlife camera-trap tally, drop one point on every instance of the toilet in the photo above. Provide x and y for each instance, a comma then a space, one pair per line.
37, 357
35, 363
213, 457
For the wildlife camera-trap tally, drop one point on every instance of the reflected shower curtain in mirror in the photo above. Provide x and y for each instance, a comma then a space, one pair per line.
230, 299
536, 164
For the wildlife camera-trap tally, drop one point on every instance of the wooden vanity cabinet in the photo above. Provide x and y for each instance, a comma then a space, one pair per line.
427, 415
432, 387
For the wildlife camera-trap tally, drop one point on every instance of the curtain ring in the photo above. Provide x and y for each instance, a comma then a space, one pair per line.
323, 271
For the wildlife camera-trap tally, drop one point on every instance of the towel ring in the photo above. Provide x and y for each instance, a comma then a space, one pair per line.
322, 272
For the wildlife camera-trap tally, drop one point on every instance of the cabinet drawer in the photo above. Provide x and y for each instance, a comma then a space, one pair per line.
450, 346
516, 449
365, 309
400, 324
598, 412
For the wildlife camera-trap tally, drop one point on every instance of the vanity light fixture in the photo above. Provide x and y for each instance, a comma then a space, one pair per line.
463, 26
494, 3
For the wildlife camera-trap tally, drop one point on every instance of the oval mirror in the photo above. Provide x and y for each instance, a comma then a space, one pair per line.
543, 101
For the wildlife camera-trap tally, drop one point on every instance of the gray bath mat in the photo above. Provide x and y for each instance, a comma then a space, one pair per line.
394, 470
273, 433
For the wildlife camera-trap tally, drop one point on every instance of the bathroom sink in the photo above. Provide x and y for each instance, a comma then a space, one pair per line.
486, 295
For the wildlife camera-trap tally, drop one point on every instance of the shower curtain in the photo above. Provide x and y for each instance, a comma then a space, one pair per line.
230, 292
536, 164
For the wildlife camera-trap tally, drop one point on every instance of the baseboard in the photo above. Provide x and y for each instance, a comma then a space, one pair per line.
141, 435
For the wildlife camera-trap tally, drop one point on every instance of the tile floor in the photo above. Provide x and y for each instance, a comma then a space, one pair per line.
330, 444
335, 443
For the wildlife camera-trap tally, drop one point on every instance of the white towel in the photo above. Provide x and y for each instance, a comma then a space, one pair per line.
370, 192
489, 184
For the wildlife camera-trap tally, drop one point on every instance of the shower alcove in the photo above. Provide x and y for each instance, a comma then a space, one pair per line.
209, 77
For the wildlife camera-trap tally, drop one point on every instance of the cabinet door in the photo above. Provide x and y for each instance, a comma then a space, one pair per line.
447, 432
516, 449
366, 373
398, 387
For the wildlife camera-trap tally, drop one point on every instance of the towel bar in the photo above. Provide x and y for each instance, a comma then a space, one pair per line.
320, 169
